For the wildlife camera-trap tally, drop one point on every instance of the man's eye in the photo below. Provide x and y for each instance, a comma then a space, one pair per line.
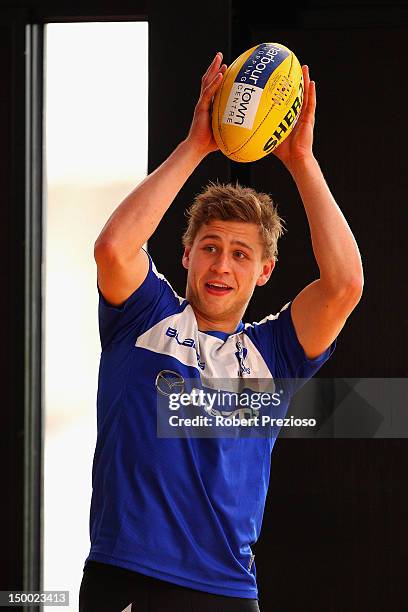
210, 248
240, 254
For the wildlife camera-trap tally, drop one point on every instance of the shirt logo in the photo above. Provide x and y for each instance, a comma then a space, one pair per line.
171, 332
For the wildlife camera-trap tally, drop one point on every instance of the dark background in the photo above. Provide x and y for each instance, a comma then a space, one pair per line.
335, 528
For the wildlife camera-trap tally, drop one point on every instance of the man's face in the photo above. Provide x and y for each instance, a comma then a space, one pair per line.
224, 265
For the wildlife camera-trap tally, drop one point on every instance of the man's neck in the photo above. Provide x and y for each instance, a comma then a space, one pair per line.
206, 324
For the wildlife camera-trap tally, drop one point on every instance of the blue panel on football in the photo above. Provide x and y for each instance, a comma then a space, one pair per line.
260, 64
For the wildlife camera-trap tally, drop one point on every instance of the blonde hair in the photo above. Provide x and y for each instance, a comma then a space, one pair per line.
227, 202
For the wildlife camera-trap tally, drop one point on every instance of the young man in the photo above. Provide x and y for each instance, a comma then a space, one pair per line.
173, 519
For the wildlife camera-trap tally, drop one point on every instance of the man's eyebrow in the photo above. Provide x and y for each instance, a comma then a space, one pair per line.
216, 237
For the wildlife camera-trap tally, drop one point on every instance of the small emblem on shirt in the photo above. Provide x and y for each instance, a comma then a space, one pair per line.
168, 382
241, 355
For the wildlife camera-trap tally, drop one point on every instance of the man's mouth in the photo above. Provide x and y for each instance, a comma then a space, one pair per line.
218, 288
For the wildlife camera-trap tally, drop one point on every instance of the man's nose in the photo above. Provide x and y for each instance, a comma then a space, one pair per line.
221, 264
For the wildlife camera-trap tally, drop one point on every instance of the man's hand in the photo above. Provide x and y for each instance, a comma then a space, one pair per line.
200, 134
298, 145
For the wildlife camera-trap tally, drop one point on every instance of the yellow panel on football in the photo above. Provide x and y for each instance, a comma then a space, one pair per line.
279, 111
227, 139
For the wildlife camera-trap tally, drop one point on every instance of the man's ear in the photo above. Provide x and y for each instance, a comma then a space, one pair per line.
267, 269
186, 255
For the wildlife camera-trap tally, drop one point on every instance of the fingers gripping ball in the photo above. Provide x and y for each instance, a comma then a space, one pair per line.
258, 102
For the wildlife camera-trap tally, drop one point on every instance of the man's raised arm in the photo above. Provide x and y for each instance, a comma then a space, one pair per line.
121, 262
320, 310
